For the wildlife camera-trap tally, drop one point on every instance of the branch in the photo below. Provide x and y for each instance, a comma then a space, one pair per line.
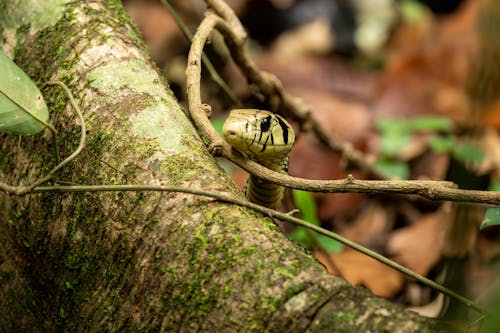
270, 86
433, 190
206, 61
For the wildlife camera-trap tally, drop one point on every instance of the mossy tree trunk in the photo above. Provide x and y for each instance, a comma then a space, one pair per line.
150, 261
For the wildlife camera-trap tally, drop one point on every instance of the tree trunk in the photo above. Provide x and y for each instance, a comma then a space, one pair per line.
142, 261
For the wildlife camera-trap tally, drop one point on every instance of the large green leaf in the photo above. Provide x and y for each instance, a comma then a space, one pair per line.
491, 218
393, 168
442, 144
328, 244
22, 107
466, 152
305, 202
430, 123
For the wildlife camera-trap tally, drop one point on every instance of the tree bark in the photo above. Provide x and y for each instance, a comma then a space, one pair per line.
148, 261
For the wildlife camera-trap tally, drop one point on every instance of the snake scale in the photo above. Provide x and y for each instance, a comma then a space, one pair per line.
266, 138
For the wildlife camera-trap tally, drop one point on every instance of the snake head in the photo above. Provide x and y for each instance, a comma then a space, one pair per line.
262, 135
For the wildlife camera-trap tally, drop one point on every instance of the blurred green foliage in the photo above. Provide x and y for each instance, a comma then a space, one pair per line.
397, 133
305, 203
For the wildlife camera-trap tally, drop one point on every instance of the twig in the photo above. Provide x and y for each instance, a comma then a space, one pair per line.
78, 149
267, 211
206, 61
223, 10
433, 190
279, 99
197, 110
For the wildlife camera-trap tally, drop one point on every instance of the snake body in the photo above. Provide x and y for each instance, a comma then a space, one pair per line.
266, 138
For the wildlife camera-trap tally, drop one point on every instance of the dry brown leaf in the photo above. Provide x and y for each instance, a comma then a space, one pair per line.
370, 226
239, 177
430, 165
492, 115
431, 78
488, 249
157, 26
360, 269
420, 246
432, 309
311, 38
329, 76
310, 160
490, 144
416, 91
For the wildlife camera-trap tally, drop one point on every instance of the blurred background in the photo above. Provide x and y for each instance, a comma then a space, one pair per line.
415, 86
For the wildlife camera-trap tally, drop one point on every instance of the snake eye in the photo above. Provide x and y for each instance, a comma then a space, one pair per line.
265, 124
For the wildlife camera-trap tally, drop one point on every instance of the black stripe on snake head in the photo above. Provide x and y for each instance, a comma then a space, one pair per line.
264, 145
284, 128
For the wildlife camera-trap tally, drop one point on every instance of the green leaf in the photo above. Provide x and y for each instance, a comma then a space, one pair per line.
401, 125
492, 323
22, 107
412, 11
468, 153
442, 144
491, 218
301, 236
217, 123
304, 201
395, 135
328, 244
393, 125
494, 186
393, 168
391, 144
431, 124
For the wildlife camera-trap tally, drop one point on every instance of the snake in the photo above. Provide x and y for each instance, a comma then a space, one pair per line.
266, 138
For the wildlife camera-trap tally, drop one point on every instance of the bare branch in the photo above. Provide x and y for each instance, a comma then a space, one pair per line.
433, 190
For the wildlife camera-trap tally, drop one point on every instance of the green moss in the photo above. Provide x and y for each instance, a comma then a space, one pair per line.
49, 49
344, 317
5, 165
98, 143
192, 292
73, 275
22, 12
284, 272
231, 253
